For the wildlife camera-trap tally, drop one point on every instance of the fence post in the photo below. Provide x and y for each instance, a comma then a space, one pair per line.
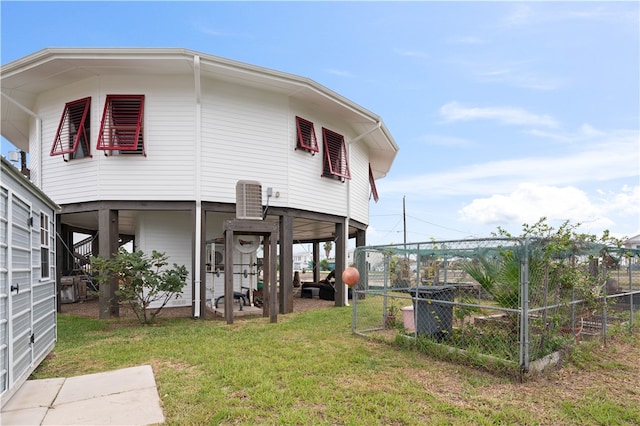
524, 308
631, 296
605, 301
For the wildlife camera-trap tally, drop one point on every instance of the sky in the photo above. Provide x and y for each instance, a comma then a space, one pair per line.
504, 112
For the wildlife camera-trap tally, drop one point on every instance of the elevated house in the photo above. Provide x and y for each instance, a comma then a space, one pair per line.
197, 156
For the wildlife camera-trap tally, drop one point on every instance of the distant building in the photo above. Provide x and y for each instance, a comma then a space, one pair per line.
302, 261
633, 242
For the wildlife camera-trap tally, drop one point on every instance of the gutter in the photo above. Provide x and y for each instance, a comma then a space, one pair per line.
199, 289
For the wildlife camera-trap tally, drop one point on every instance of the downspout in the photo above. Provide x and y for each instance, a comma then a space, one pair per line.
38, 133
346, 228
198, 188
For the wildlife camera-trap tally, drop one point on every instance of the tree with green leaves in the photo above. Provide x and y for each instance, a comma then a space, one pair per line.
553, 270
142, 279
328, 245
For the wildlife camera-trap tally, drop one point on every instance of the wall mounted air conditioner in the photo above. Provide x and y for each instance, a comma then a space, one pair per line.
248, 200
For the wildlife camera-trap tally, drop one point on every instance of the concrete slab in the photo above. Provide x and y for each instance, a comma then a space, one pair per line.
34, 394
136, 407
26, 416
111, 382
122, 397
246, 311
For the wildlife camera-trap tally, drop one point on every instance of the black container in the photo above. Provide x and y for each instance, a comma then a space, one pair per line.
433, 319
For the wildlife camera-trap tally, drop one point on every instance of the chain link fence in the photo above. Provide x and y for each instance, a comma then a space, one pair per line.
501, 302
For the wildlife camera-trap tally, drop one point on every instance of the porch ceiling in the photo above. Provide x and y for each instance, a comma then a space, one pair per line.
304, 230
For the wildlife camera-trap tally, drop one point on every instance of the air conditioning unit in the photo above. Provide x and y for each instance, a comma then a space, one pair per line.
248, 200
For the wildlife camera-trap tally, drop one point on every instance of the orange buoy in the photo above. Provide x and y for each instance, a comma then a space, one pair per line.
350, 276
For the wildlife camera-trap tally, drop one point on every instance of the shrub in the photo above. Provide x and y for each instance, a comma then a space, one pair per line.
142, 280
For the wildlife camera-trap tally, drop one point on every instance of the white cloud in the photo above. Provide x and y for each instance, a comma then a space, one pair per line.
472, 40
442, 140
453, 111
625, 203
586, 131
518, 77
521, 14
529, 202
340, 73
411, 53
205, 29
614, 156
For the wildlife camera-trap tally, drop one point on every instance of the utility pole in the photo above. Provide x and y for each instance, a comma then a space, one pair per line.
404, 220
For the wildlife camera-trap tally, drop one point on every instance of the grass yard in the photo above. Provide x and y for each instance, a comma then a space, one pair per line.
309, 369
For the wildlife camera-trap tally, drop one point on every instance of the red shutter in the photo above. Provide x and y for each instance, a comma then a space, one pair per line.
336, 162
372, 182
306, 135
121, 127
74, 128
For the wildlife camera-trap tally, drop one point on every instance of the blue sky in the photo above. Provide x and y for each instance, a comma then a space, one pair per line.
504, 112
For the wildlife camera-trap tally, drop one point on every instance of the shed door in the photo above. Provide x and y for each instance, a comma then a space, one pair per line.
17, 310
4, 290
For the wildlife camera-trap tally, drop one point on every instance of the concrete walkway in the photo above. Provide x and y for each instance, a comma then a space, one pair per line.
122, 397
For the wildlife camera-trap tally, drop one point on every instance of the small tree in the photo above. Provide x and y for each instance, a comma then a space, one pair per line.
328, 245
142, 280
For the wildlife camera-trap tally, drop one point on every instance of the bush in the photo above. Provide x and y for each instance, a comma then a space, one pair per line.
142, 280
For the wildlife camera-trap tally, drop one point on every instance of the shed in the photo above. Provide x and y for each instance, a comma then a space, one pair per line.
27, 278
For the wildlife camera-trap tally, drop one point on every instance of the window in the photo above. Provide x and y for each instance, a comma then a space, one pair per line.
372, 183
74, 130
335, 161
306, 139
44, 245
121, 129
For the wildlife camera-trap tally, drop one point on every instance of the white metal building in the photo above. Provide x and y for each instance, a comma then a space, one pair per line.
27, 278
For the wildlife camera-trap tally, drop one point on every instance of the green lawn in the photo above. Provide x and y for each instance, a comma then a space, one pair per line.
309, 369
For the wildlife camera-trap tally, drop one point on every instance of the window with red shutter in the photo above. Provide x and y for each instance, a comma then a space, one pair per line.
335, 161
306, 138
121, 129
73, 133
372, 183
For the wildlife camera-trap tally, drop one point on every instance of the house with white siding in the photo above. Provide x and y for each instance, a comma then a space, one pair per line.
166, 147
27, 278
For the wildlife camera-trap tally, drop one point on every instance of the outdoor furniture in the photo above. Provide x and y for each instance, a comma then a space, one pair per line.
325, 291
310, 292
237, 296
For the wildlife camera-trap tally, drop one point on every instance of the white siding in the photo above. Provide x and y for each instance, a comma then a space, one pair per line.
247, 134
74, 180
309, 190
244, 137
359, 189
166, 173
168, 232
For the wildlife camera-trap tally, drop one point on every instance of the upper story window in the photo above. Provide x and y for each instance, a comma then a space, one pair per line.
306, 135
44, 246
74, 130
121, 129
372, 183
335, 161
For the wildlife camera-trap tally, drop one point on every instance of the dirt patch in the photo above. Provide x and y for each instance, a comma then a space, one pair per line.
89, 308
